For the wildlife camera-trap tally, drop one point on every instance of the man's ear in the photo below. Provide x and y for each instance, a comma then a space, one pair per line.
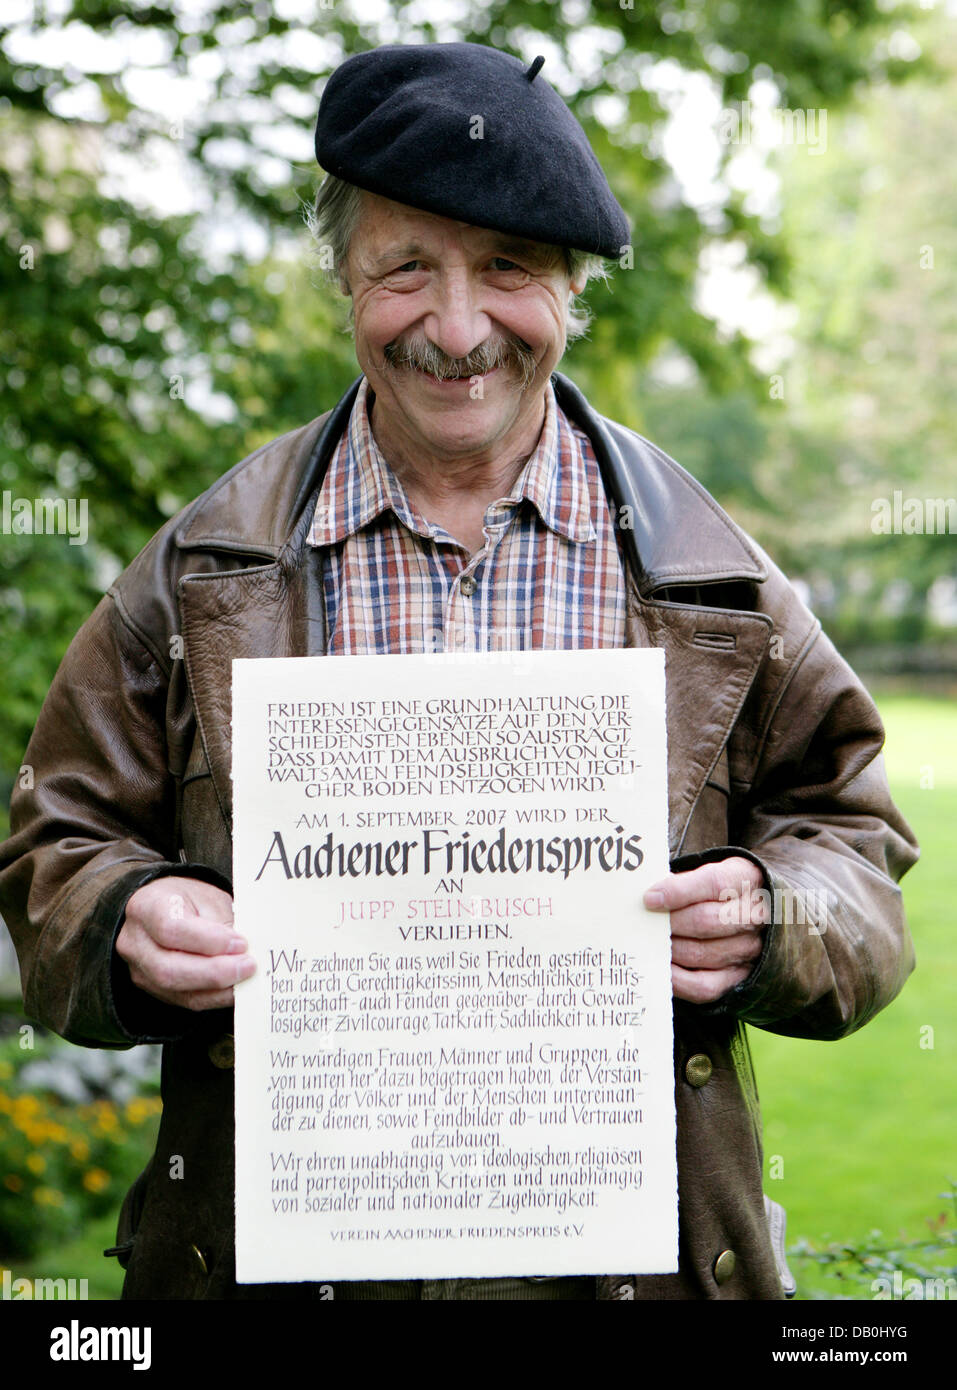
576, 286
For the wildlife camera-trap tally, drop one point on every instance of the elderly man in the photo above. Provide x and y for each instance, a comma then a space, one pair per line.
461, 494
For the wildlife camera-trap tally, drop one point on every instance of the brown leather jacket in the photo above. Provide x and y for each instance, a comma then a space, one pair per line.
773, 748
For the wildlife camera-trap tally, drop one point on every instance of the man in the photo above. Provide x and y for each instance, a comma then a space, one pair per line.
461, 490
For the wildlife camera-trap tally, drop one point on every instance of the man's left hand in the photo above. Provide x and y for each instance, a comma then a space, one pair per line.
717, 917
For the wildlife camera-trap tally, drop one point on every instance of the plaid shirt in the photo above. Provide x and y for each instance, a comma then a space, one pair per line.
548, 576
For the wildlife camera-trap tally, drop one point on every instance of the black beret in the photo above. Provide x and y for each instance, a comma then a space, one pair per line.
401, 121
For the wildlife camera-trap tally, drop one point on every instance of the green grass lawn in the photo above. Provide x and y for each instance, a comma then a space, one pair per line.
77, 1259
865, 1126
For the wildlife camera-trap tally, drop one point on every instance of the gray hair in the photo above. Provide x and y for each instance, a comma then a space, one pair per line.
333, 217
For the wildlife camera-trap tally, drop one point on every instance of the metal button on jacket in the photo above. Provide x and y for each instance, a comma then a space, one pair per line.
698, 1069
468, 586
222, 1053
724, 1266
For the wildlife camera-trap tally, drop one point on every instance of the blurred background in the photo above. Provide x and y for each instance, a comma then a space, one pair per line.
784, 324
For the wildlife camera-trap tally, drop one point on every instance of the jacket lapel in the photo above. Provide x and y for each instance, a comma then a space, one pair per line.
711, 658
268, 610
677, 539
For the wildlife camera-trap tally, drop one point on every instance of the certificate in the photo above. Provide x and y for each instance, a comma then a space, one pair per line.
455, 1057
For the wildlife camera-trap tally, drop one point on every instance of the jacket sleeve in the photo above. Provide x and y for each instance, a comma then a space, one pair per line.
817, 815
93, 821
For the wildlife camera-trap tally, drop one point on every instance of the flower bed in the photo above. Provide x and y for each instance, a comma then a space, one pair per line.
64, 1163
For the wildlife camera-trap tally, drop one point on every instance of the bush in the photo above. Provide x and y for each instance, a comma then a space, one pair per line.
878, 1268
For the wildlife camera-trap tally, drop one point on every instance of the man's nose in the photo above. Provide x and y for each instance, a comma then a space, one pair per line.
456, 322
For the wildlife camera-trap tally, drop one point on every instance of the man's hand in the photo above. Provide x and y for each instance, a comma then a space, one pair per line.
717, 917
178, 940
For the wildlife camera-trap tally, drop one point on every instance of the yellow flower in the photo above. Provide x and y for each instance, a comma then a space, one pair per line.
36, 1163
13, 1182
48, 1197
80, 1150
95, 1179
143, 1108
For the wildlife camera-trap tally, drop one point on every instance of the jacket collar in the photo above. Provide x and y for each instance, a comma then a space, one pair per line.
674, 531
677, 533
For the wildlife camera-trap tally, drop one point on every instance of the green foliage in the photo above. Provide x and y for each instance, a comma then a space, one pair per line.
869, 403
875, 1267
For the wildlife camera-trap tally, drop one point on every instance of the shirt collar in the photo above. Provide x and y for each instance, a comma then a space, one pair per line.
360, 485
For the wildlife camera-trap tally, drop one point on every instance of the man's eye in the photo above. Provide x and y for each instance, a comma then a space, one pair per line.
408, 265
501, 263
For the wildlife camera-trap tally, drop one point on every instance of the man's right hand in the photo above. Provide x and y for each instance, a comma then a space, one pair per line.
179, 943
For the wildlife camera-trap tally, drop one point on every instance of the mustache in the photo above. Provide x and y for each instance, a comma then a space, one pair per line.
421, 354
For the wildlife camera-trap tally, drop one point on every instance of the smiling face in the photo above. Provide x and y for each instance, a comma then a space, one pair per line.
426, 289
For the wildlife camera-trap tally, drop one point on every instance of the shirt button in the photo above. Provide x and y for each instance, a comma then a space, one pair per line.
724, 1266
468, 586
